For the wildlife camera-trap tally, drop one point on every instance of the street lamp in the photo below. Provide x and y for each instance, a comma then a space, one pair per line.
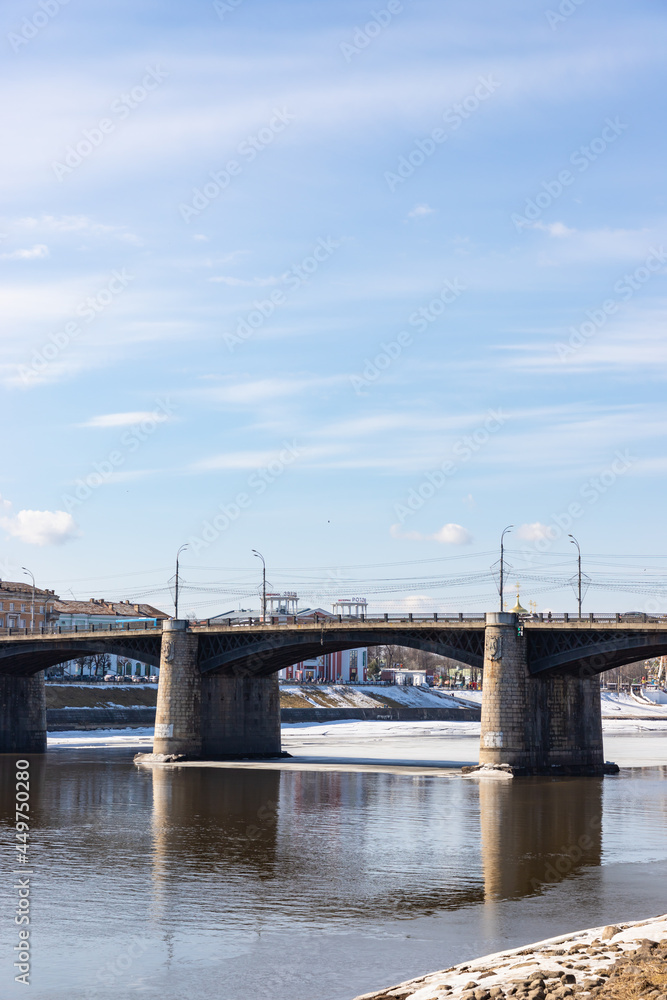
260, 556
575, 542
502, 562
176, 585
32, 604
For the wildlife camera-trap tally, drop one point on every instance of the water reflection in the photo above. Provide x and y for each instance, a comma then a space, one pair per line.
273, 881
537, 832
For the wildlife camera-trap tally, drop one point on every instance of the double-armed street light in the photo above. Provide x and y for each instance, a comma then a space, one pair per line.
502, 562
32, 604
575, 542
260, 556
176, 584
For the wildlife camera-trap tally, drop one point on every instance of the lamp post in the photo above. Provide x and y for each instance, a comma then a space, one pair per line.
176, 585
502, 562
260, 556
575, 542
32, 604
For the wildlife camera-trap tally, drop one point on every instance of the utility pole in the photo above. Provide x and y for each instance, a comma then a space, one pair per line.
176, 585
575, 542
502, 562
260, 556
32, 605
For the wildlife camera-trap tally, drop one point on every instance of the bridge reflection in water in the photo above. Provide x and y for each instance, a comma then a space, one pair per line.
284, 883
493, 840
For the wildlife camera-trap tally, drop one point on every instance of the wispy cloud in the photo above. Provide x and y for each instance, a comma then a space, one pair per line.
37, 252
123, 419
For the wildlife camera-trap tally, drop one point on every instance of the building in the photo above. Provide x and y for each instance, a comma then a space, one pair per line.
347, 666
83, 614
18, 610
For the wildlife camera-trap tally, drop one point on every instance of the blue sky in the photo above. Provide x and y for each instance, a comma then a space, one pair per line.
353, 285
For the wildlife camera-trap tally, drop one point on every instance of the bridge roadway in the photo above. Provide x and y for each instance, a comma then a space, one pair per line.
218, 691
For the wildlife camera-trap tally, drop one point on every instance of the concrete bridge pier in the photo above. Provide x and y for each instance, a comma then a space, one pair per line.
533, 724
240, 716
22, 714
575, 724
211, 715
511, 733
178, 714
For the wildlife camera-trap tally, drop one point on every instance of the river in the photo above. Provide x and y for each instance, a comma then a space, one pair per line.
316, 880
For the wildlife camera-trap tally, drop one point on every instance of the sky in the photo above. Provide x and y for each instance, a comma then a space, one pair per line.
352, 285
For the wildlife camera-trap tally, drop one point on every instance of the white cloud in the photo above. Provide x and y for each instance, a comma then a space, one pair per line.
75, 224
41, 527
449, 534
453, 534
124, 419
558, 229
420, 210
264, 390
534, 532
39, 250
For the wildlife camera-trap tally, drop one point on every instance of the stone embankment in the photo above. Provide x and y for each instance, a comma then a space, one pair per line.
624, 962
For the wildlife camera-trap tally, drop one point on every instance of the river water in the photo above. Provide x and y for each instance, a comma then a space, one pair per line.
315, 881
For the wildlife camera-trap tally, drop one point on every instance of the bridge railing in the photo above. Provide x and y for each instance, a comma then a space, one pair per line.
142, 625
334, 620
446, 618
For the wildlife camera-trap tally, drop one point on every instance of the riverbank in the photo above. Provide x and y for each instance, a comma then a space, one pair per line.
119, 706
623, 962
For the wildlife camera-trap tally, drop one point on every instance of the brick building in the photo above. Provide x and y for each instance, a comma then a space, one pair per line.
16, 605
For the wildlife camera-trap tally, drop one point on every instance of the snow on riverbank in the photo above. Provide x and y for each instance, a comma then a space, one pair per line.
101, 738
369, 696
571, 964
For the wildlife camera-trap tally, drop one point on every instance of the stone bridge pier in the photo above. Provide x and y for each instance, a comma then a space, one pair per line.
22, 713
211, 715
536, 724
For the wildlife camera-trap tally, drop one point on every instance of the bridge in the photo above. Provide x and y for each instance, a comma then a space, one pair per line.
218, 692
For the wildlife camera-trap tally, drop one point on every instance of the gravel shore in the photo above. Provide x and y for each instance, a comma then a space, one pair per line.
622, 962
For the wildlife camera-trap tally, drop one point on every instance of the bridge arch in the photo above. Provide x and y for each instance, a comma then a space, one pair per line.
29, 657
587, 653
260, 654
